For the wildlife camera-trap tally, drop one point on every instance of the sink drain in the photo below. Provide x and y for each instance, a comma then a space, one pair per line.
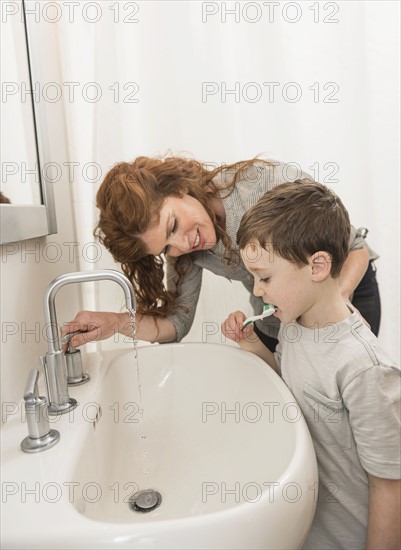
144, 501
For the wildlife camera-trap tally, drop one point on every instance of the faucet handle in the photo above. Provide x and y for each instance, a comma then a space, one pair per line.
31, 394
75, 373
66, 339
40, 436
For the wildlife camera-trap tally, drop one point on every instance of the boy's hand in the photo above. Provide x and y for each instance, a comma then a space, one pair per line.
247, 339
232, 327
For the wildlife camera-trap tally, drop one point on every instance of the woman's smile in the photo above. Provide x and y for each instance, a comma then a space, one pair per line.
197, 239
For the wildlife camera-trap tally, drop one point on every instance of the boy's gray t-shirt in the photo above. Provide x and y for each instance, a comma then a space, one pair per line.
257, 180
348, 389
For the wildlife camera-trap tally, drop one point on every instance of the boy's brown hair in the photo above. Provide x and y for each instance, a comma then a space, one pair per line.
298, 219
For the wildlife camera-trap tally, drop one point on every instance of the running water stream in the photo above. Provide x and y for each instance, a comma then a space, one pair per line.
134, 331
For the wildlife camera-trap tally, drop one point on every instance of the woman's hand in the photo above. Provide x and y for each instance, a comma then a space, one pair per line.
96, 325
232, 327
99, 325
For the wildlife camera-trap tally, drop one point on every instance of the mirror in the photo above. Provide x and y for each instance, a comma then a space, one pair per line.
27, 206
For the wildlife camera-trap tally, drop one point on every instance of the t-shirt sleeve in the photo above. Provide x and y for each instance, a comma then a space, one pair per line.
373, 402
190, 288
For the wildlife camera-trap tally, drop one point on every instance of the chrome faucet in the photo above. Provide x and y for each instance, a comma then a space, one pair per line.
54, 362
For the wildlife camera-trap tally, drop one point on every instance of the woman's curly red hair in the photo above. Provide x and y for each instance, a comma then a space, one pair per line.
129, 200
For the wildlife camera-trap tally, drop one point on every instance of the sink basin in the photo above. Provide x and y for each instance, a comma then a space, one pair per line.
210, 427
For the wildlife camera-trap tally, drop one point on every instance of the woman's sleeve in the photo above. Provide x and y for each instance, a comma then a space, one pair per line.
187, 301
357, 239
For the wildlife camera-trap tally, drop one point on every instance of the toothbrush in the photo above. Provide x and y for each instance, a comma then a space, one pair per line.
268, 309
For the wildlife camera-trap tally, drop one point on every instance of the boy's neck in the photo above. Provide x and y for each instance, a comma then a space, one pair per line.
328, 307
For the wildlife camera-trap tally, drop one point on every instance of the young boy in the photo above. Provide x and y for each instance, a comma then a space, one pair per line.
294, 242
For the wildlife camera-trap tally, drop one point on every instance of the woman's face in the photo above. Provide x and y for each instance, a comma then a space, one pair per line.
184, 226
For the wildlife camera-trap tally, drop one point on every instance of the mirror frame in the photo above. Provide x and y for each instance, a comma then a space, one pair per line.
20, 222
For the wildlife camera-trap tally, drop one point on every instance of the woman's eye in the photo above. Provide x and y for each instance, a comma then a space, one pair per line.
172, 230
265, 280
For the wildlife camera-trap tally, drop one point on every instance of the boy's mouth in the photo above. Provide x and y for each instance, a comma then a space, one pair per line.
276, 310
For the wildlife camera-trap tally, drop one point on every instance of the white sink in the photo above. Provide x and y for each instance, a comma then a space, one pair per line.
220, 438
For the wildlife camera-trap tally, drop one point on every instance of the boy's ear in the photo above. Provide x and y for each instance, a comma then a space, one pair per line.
321, 265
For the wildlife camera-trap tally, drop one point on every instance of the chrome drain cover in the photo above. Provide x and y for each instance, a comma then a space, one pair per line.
144, 501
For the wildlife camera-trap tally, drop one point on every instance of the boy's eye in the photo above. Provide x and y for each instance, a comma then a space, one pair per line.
264, 280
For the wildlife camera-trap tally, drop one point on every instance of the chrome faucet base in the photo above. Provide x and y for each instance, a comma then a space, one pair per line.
31, 445
40, 436
78, 380
75, 373
54, 410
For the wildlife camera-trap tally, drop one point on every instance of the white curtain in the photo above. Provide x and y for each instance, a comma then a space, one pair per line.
311, 83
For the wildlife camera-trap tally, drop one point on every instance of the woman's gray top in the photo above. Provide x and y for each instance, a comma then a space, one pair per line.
250, 187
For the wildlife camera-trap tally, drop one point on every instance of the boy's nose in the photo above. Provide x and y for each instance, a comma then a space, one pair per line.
258, 290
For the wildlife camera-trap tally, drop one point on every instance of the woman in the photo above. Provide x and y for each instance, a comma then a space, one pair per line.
184, 215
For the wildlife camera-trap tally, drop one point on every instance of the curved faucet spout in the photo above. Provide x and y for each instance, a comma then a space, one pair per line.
81, 277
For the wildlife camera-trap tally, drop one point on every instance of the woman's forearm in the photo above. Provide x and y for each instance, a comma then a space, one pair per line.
148, 328
353, 270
